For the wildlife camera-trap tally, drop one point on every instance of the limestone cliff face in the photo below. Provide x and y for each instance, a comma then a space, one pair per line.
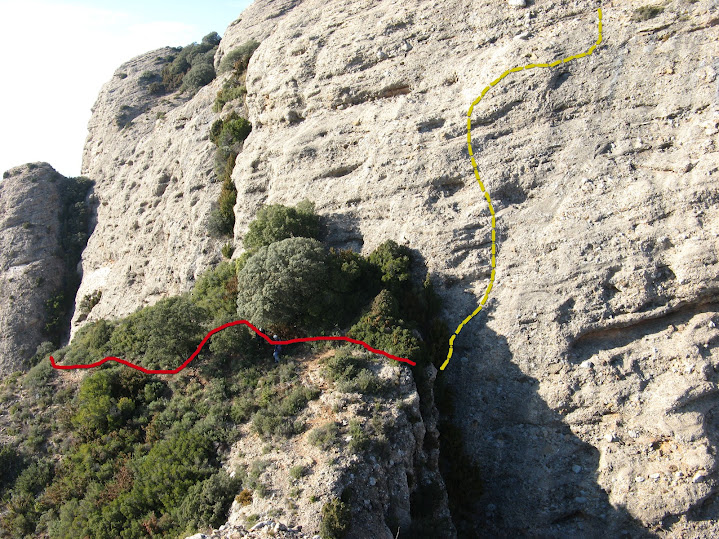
586, 390
31, 263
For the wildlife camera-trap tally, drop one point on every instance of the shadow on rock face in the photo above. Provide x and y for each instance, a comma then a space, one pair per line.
342, 230
703, 517
539, 478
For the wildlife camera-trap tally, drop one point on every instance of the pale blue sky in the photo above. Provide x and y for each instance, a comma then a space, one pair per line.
58, 54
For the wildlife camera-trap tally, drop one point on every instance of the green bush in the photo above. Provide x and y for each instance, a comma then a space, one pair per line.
88, 303
349, 375
161, 336
198, 76
297, 472
11, 463
148, 76
216, 290
227, 250
97, 411
231, 90
238, 59
394, 262
277, 418
277, 222
73, 234
171, 467
336, 518
360, 440
381, 328
207, 503
213, 39
227, 133
325, 436
180, 66
284, 284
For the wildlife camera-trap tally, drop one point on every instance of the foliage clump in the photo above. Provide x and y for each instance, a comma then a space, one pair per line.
230, 91
276, 222
336, 518
189, 68
284, 284
130, 455
238, 58
227, 134
325, 436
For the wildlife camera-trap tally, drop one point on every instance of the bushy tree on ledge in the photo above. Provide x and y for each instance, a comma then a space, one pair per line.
285, 284
277, 222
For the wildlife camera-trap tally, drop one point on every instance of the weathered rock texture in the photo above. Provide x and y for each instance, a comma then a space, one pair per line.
587, 389
31, 265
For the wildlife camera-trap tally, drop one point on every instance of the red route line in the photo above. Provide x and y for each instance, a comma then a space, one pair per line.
210, 334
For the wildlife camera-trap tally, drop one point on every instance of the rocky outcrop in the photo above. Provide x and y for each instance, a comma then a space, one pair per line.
381, 460
586, 389
32, 266
152, 160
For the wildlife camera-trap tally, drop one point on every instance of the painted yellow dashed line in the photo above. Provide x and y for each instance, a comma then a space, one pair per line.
481, 185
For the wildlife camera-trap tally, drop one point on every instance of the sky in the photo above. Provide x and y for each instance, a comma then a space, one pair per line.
58, 54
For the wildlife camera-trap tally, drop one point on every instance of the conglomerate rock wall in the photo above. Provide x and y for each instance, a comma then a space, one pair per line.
587, 388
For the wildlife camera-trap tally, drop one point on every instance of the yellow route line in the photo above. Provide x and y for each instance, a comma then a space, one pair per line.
481, 185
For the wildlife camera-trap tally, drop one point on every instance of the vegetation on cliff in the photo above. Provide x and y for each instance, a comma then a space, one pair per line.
73, 234
129, 455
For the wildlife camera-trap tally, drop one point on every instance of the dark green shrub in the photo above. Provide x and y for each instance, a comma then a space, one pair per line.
297, 399
11, 463
216, 290
40, 376
381, 328
88, 303
336, 518
207, 503
198, 76
349, 375
365, 382
277, 418
277, 222
228, 132
227, 250
91, 344
192, 66
213, 39
325, 436
170, 468
161, 336
148, 76
394, 263
157, 88
285, 284
124, 116
238, 58
97, 411
355, 280
73, 234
